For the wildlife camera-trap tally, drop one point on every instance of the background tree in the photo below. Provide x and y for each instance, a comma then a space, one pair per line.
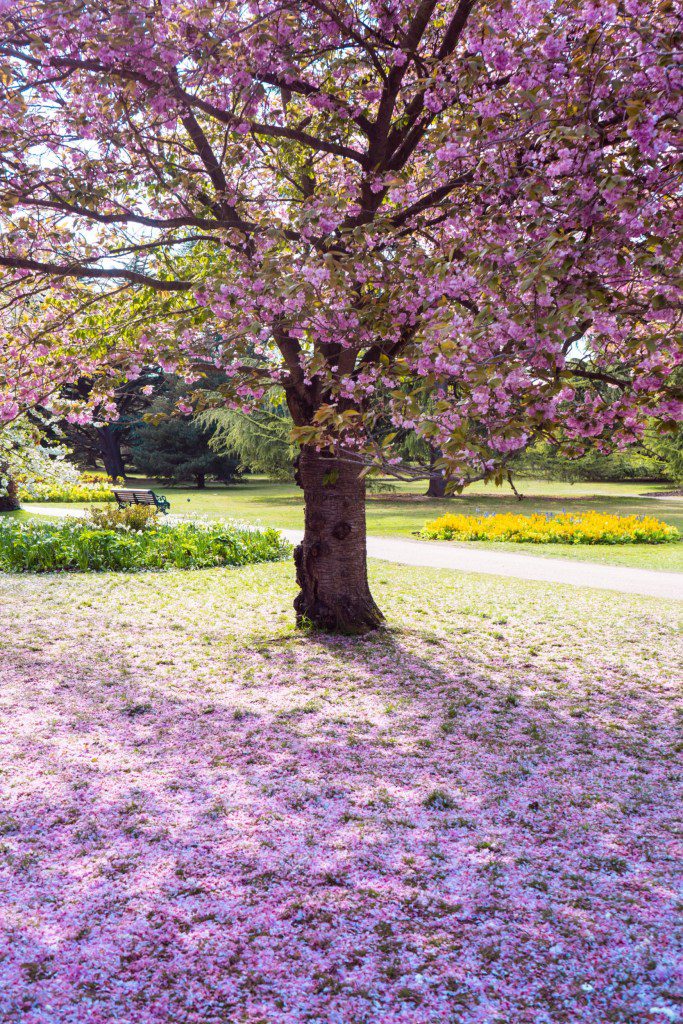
260, 441
547, 461
94, 441
474, 202
173, 447
668, 447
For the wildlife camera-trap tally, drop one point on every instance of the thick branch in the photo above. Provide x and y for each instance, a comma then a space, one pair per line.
432, 198
409, 134
108, 273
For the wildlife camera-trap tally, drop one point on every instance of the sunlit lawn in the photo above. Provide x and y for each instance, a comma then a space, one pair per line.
405, 512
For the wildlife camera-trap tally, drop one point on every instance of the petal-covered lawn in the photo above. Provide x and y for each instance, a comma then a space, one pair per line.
208, 817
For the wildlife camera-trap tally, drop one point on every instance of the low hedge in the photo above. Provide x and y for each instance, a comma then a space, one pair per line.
565, 528
76, 545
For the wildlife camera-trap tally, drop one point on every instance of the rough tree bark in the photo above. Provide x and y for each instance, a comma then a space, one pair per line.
110, 449
331, 564
9, 499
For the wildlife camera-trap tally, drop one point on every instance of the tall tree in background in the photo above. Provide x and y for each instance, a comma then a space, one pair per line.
260, 440
471, 203
96, 440
171, 446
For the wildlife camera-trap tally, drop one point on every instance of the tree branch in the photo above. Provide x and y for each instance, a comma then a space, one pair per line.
108, 273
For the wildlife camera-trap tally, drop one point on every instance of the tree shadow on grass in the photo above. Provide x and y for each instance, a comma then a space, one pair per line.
415, 842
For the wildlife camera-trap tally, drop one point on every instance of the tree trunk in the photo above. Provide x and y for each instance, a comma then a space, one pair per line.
437, 480
331, 565
9, 500
437, 485
110, 449
200, 479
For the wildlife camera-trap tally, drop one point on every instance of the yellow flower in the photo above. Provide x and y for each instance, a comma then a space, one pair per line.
564, 528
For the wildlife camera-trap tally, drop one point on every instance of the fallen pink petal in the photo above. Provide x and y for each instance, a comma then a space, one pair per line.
210, 817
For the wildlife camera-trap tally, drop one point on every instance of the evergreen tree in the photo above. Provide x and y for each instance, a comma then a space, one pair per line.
260, 441
105, 440
177, 448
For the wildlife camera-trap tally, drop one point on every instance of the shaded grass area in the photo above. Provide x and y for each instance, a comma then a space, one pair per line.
469, 816
405, 512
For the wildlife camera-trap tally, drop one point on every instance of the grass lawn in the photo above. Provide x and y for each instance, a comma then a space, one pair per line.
209, 817
405, 512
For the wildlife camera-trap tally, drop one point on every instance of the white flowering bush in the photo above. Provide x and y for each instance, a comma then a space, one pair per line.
29, 461
42, 472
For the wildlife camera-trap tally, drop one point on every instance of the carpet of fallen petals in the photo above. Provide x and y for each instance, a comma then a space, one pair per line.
208, 817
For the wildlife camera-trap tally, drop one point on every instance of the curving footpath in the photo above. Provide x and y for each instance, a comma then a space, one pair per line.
447, 555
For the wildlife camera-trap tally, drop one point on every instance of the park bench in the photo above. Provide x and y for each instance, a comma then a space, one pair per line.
132, 496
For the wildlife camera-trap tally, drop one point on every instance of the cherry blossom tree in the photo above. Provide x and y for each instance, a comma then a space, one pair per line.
380, 208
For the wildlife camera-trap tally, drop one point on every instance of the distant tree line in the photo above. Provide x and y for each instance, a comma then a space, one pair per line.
152, 436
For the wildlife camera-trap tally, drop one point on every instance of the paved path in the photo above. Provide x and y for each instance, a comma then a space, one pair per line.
447, 555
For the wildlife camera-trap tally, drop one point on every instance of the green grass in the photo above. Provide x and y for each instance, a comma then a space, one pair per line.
24, 514
663, 557
405, 512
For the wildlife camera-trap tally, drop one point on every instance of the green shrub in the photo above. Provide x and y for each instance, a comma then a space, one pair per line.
75, 545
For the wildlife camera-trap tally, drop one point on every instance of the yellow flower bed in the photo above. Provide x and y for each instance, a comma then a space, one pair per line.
564, 528
67, 492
